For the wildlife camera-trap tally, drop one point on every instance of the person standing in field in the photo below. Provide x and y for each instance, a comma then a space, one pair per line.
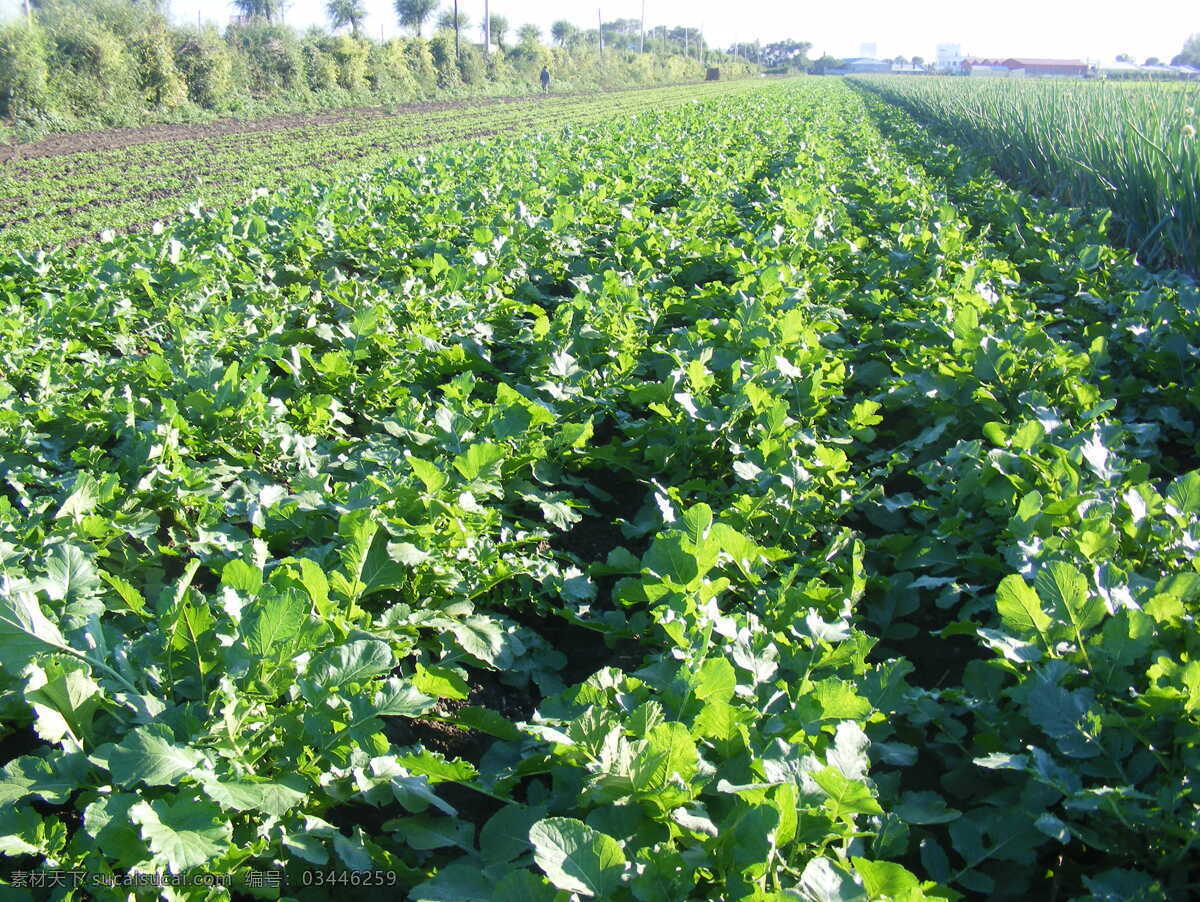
545, 80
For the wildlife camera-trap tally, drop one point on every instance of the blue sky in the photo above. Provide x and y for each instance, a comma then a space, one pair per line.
1091, 29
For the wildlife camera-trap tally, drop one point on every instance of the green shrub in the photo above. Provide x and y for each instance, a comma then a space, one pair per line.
92, 72
350, 59
320, 69
419, 55
206, 66
156, 74
472, 68
441, 48
270, 58
388, 71
23, 71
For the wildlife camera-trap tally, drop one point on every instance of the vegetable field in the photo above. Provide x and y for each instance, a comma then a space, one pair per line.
74, 188
748, 499
1130, 148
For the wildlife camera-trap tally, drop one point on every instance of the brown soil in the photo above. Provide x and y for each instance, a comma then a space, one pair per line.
116, 138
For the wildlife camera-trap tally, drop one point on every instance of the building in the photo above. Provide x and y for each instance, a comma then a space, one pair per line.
1021, 67
864, 66
949, 57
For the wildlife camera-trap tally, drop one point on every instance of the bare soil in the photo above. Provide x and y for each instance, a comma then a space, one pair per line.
117, 138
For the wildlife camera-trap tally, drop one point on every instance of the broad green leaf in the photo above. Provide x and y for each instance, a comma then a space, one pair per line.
925, 808
524, 885
1184, 494
826, 881
436, 768
883, 878
51, 780
433, 478
182, 834
669, 756
151, 755
19, 829
1066, 590
480, 462
272, 622
505, 836
274, 799
845, 796
714, 681
697, 520
69, 573
353, 662
1021, 611
577, 858
425, 832
64, 701
316, 584
85, 494
480, 637
133, 599
24, 630
237, 574
398, 697
440, 682
669, 560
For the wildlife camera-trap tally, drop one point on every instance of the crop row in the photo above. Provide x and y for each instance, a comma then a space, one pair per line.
1129, 148
727, 502
55, 199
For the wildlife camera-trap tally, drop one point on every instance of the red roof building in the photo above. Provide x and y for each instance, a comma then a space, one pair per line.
1031, 67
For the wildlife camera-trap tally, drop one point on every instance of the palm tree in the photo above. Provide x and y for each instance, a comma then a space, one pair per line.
562, 32
499, 26
415, 13
529, 34
260, 9
346, 12
446, 21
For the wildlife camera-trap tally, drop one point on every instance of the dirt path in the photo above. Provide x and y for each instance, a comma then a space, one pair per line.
116, 138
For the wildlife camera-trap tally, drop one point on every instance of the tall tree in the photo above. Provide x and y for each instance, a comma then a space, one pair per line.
347, 12
529, 34
499, 30
271, 10
446, 21
1190, 55
787, 53
562, 32
415, 13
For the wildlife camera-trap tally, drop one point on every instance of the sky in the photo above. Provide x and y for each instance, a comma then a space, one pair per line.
1087, 29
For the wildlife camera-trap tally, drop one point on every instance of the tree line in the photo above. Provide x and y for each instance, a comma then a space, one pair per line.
99, 63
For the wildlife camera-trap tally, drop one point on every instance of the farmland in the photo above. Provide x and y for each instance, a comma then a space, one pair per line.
64, 190
751, 498
1129, 148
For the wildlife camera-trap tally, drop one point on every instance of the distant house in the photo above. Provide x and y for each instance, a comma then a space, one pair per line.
1017, 67
863, 65
1122, 70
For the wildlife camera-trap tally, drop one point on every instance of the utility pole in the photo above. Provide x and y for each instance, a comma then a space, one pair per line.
600, 31
28, 14
457, 48
487, 30
642, 46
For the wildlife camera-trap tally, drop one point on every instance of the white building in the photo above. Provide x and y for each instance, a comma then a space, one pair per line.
949, 56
